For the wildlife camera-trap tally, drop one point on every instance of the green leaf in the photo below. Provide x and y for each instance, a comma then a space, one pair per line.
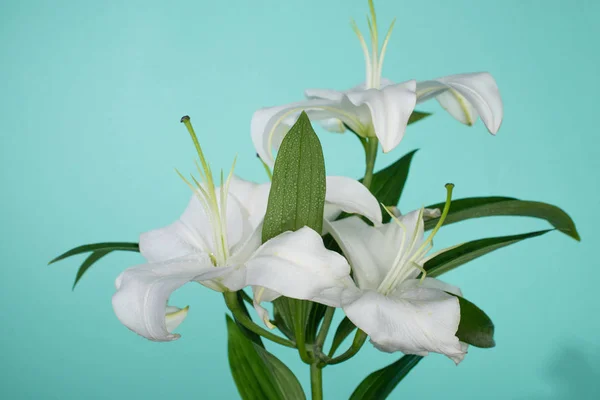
387, 184
112, 246
477, 207
283, 311
285, 378
92, 258
344, 329
379, 384
475, 327
417, 116
297, 195
463, 253
257, 373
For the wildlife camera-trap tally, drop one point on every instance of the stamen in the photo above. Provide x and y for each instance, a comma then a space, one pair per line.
398, 272
383, 50
266, 167
374, 44
215, 208
427, 244
365, 48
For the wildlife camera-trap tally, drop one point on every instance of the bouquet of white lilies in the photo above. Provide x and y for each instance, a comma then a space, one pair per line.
305, 244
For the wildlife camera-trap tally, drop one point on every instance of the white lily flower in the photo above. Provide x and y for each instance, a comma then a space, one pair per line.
217, 242
386, 300
378, 107
398, 311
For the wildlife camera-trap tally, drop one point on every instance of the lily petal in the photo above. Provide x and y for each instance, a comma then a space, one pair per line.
384, 111
192, 233
297, 264
390, 109
175, 316
349, 195
253, 198
261, 294
367, 248
140, 302
413, 321
466, 96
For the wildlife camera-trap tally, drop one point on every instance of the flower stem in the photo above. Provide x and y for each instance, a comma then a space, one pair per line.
324, 328
231, 300
316, 382
357, 343
370, 156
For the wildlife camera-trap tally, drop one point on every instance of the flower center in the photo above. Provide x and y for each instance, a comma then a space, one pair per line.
410, 256
374, 58
214, 205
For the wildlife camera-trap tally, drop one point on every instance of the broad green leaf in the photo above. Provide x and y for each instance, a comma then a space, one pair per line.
112, 246
379, 384
344, 329
475, 327
285, 378
296, 199
477, 207
89, 261
417, 116
387, 184
463, 253
297, 195
258, 374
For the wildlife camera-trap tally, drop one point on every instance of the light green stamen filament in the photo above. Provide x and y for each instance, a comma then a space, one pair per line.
373, 58
402, 267
214, 206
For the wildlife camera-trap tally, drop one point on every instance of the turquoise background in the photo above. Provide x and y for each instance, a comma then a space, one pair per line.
90, 99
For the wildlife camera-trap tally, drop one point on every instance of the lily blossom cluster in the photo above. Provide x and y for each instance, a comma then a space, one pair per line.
378, 279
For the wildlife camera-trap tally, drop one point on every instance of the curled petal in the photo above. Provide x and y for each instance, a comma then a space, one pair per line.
263, 294
349, 195
297, 265
142, 294
465, 97
414, 321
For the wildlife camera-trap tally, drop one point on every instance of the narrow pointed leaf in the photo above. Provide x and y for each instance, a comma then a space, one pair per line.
344, 329
463, 253
475, 327
112, 246
477, 207
89, 261
257, 373
297, 195
379, 384
417, 116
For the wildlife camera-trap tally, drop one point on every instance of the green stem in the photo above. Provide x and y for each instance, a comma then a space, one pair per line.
357, 343
316, 382
370, 156
231, 300
324, 328
299, 332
